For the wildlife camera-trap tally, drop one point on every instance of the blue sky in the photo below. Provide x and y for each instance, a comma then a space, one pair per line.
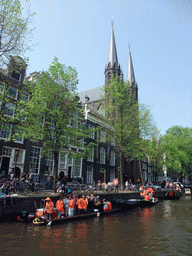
159, 33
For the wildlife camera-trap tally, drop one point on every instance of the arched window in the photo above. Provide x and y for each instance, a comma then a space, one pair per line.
112, 158
102, 155
109, 77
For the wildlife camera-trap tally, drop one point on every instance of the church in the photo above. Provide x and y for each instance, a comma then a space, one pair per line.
104, 163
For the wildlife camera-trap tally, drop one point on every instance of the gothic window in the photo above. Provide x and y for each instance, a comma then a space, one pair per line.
109, 77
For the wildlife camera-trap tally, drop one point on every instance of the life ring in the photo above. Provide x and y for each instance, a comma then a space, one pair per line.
170, 193
37, 221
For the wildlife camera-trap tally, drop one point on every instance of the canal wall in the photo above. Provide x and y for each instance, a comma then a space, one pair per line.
30, 203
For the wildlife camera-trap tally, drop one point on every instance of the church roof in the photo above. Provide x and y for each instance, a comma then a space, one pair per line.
112, 50
130, 70
93, 94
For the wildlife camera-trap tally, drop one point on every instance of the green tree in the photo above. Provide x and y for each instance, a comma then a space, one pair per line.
131, 123
177, 145
54, 114
15, 35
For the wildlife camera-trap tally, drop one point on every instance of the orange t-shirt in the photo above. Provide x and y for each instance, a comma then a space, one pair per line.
80, 203
71, 204
85, 204
59, 205
49, 206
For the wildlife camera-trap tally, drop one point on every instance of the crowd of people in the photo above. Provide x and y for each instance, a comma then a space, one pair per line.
71, 205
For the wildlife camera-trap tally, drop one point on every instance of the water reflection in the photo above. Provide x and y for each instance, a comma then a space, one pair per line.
164, 229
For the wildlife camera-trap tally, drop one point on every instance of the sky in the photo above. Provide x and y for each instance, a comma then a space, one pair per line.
160, 36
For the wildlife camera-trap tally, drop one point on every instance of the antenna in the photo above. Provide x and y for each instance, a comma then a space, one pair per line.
112, 22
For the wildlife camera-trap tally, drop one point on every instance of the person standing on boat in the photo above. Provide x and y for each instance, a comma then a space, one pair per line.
49, 207
85, 203
80, 205
71, 206
60, 207
66, 205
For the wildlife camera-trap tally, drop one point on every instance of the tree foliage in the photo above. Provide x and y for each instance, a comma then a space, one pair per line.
177, 145
131, 123
15, 35
54, 114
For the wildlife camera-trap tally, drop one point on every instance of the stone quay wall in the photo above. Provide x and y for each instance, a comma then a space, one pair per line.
30, 203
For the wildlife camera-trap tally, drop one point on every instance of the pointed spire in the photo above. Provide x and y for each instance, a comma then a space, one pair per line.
130, 71
112, 50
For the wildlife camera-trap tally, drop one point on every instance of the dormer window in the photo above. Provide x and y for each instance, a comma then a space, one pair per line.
16, 75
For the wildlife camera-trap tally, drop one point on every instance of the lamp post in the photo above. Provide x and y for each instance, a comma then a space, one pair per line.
17, 150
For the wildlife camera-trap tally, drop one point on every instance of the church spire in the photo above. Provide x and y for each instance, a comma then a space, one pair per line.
130, 70
112, 50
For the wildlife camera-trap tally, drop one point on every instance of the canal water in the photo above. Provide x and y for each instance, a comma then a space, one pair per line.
164, 229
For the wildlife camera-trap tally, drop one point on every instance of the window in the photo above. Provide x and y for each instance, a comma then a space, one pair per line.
112, 159
91, 155
92, 135
49, 161
24, 96
69, 159
13, 92
77, 168
102, 155
112, 175
102, 135
5, 132
62, 160
34, 160
89, 175
19, 157
16, 75
18, 134
9, 109
7, 151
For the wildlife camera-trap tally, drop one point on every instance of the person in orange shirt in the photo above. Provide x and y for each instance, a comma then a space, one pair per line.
49, 207
80, 205
71, 206
60, 207
85, 203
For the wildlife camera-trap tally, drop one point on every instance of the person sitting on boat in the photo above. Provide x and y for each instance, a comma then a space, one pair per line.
49, 207
60, 207
105, 205
5, 193
80, 205
71, 206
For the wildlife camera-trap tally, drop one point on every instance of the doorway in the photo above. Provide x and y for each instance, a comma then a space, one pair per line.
5, 164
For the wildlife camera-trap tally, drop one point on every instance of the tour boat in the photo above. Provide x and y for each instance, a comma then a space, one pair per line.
41, 220
150, 202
